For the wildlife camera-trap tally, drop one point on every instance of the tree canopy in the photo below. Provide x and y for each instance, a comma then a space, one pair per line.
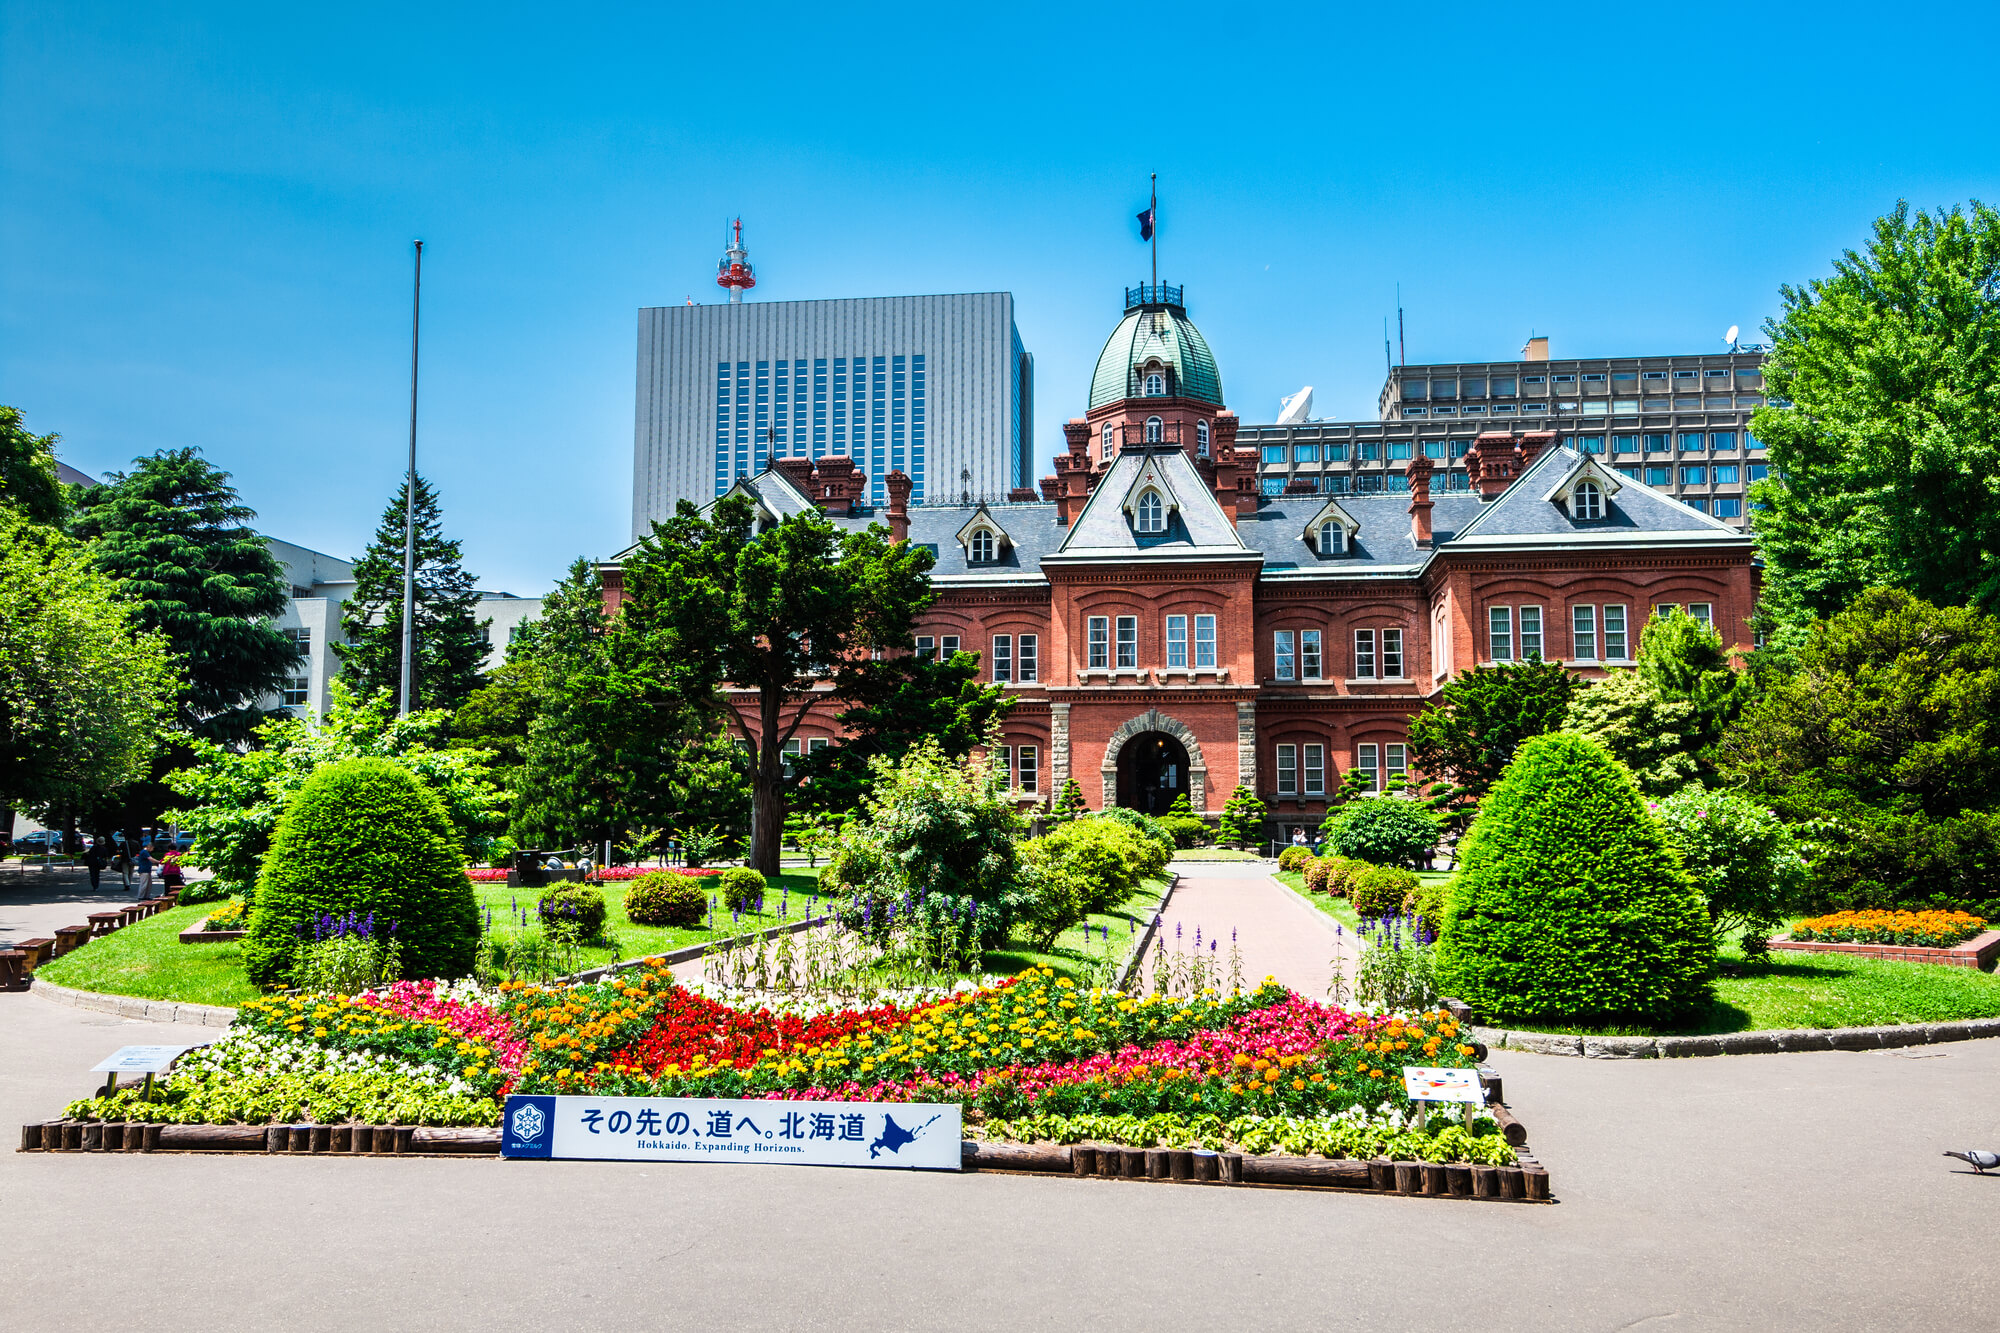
28, 481
450, 637
1469, 735
1884, 423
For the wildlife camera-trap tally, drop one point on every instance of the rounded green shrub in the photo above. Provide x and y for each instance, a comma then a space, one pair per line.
1426, 902
742, 889
574, 907
364, 836
1146, 826
1380, 890
1186, 830
1384, 830
1294, 858
1109, 855
662, 898
1570, 905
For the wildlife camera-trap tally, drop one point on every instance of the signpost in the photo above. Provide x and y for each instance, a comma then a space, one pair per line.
908, 1135
1425, 1085
147, 1060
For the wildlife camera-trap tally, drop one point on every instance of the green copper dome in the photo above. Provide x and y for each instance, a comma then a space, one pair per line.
1155, 328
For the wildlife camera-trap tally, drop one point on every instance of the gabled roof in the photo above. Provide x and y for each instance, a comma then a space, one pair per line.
1330, 510
1197, 529
1151, 476
1586, 466
1523, 516
982, 517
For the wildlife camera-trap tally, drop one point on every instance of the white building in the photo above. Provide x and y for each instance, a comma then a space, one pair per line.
938, 387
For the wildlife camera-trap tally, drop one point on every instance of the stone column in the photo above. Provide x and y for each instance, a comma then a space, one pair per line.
1246, 745
1058, 747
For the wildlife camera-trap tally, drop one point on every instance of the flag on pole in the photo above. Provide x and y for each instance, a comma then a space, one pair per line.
1146, 222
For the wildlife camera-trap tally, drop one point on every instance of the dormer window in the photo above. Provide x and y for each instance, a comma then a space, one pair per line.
1155, 431
982, 547
1587, 500
1156, 384
1332, 538
1201, 438
1151, 514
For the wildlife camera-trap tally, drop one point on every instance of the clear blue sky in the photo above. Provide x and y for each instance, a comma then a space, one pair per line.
206, 209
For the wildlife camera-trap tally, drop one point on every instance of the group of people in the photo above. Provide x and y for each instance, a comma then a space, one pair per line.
135, 860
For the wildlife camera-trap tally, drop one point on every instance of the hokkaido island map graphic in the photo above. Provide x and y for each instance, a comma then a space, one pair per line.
894, 1137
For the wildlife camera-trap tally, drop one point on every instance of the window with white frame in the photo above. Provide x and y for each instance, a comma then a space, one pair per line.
1003, 657
1702, 611
1151, 514
1288, 770
1396, 762
793, 749
1201, 438
1332, 538
982, 547
1027, 664
1531, 631
948, 647
297, 692
1285, 654
1107, 440
1315, 757
927, 647
1500, 634
817, 743
1364, 654
1155, 430
1615, 646
1003, 764
1204, 643
1028, 759
1156, 385
1177, 645
1128, 642
1587, 500
1368, 758
1309, 655
303, 638
1098, 636
1392, 654
1583, 633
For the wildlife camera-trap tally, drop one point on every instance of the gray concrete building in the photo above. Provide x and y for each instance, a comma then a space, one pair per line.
939, 387
1680, 424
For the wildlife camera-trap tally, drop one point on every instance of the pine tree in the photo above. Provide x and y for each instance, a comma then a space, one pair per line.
1242, 818
450, 639
173, 533
1069, 804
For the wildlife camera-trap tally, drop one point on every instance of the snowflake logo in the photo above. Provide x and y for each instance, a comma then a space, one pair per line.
529, 1122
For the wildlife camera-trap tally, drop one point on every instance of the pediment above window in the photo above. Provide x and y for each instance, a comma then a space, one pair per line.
1585, 490
982, 538
1330, 532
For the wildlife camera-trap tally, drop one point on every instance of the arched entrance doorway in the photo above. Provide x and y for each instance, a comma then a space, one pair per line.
1152, 772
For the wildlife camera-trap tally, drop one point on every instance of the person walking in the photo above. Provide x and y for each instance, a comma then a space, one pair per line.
171, 877
121, 862
143, 866
93, 861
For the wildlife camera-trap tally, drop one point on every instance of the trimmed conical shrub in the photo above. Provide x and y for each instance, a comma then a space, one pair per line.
364, 836
1569, 905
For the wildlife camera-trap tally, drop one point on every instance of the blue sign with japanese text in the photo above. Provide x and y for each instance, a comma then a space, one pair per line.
912, 1135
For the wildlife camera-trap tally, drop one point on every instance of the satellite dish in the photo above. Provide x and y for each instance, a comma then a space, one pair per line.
1730, 337
1296, 408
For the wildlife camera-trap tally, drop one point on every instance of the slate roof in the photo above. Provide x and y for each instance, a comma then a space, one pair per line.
1196, 528
1637, 513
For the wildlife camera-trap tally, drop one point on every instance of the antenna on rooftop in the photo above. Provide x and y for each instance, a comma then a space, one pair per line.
1402, 351
1388, 361
1730, 338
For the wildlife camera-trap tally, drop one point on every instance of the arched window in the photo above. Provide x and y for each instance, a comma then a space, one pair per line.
1201, 438
1155, 432
1156, 385
1152, 514
1588, 500
1107, 439
982, 547
1332, 538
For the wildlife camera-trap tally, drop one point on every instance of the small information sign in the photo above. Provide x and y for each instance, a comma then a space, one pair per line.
138, 1060
911, 1135
1443, 1085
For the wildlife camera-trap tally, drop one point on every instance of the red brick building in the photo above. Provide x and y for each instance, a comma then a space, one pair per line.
1166, 630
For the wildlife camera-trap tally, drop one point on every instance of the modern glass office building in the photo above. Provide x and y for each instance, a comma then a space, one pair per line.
937, 387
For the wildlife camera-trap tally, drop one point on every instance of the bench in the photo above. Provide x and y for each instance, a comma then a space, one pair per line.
39, 951
13, 969
70, 937
103, 923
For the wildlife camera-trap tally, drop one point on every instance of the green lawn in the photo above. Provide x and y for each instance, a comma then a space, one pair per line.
1215, 854
147, 959
625, 940
1337, 908
1073, 956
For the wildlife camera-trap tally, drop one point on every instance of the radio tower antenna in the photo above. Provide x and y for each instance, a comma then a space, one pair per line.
734, 272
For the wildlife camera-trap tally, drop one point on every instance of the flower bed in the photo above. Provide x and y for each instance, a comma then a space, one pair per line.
1031, 1058
1926, 930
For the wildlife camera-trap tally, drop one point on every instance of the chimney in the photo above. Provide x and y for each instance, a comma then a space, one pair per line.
1021, 495
1301, 485
1537, 349
1073, 472
839, 484
899, 486
1420, 501
1229, 485
1490, 463
1051, 489
1531, 444
798, 471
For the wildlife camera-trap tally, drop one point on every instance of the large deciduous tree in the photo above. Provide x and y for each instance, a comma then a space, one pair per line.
747, 618
450, 640
1884, 424
28, 484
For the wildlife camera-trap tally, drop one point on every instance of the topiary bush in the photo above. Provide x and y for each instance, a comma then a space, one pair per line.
1146, 826
574, 907
1186, 830
1341, 873
662, 898
1242, 818
1110, 855
1384, 830
1570, 905
1426, 903
1294, 858
1380, 890
364, 836
742, 889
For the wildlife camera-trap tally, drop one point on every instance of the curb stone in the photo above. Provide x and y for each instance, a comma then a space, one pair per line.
1881, 1037
125, 1006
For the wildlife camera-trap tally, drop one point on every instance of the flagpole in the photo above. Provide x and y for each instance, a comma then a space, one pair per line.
1153, 206
408, 695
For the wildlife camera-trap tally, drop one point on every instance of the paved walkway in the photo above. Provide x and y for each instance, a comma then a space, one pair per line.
37, 903
1278, 935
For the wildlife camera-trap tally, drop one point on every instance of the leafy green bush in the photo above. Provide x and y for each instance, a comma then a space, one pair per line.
577, 909
1426, 903
1380, 890
1059, 895
742, 889
662, 898
1570, 905
1742, 857
364, 836
1186, 830
1109, 856
1242, 818
1341, 874
202, 891
1294, 858
1147, 826
1385, 830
